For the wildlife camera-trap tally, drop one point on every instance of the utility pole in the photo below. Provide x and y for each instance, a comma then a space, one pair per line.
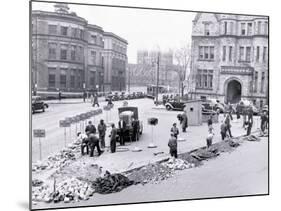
157, 77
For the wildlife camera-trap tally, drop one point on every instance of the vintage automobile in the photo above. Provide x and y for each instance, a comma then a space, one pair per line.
38, 104
175, 105
130, 116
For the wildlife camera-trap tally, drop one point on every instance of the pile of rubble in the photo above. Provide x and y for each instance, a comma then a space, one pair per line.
111, 183
69, 190
178, 164
59, 160
251, 138
154, 173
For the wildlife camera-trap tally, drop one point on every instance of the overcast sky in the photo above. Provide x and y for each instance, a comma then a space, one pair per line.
143, 29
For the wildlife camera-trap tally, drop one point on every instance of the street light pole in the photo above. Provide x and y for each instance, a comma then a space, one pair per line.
157, 78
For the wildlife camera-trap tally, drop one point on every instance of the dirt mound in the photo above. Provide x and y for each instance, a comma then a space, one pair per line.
111, 183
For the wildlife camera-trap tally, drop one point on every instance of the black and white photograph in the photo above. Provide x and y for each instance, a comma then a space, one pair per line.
138, 105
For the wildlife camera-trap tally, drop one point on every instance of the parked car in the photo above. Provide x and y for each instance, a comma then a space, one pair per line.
175, 105
38, 104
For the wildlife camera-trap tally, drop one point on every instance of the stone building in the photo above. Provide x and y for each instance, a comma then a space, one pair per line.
71, 55
144, 72
230, 58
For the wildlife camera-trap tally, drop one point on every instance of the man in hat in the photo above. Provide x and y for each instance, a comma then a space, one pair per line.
102, 130
175, 130
90, 128
173, 145
93, 143
112, 136
184, 122
96, 101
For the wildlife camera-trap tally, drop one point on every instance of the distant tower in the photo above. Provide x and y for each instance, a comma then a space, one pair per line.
61, 8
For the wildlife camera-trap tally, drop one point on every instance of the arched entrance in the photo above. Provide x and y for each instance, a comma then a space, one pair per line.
233, 91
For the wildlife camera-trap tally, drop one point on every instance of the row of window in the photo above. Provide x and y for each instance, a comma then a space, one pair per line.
76, 52
96, 60
245, 28
75, 80
65, 31
118, 48
204, 79
245, 52
98, 40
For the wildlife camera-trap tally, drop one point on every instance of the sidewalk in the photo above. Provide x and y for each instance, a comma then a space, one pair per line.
71, 101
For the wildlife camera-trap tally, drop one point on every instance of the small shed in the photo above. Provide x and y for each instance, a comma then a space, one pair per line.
193, 109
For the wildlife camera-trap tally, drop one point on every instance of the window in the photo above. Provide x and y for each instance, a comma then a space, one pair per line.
231, 28
204, 79
210, 78
230, 54
241, 53
73, 32
256, 81
249, 29
201, 52
243, 29
52, 50
259, 27
264, 54
206, 29
265, 27
93, 57
73, 53
63, 30
81, 33
63, 78
223, 53
79, 53
248, 54
262, 81
52, 77
72, 79
63, 52
258, 54
225, 27
94, 39
206, 52
212, 52
52, 29
92, 81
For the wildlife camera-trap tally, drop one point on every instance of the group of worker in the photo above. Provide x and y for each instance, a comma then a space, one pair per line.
90, 140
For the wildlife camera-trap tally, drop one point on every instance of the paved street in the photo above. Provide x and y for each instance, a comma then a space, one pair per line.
54, 140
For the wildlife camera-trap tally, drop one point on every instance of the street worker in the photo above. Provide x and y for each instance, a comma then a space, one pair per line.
90, 128
230, 110
84, 140
184, 122
210, 124
175, 130
223, 130
135, 125
263, 121
209, 139
173, 145
251, 114
92, 99
109, 102
228, 125
96, 101
248, 124
122, 129
84, 96
93, 143
102, 130
112, 136
60, 95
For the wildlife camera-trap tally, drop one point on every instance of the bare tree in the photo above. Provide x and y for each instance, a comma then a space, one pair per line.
182, 58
